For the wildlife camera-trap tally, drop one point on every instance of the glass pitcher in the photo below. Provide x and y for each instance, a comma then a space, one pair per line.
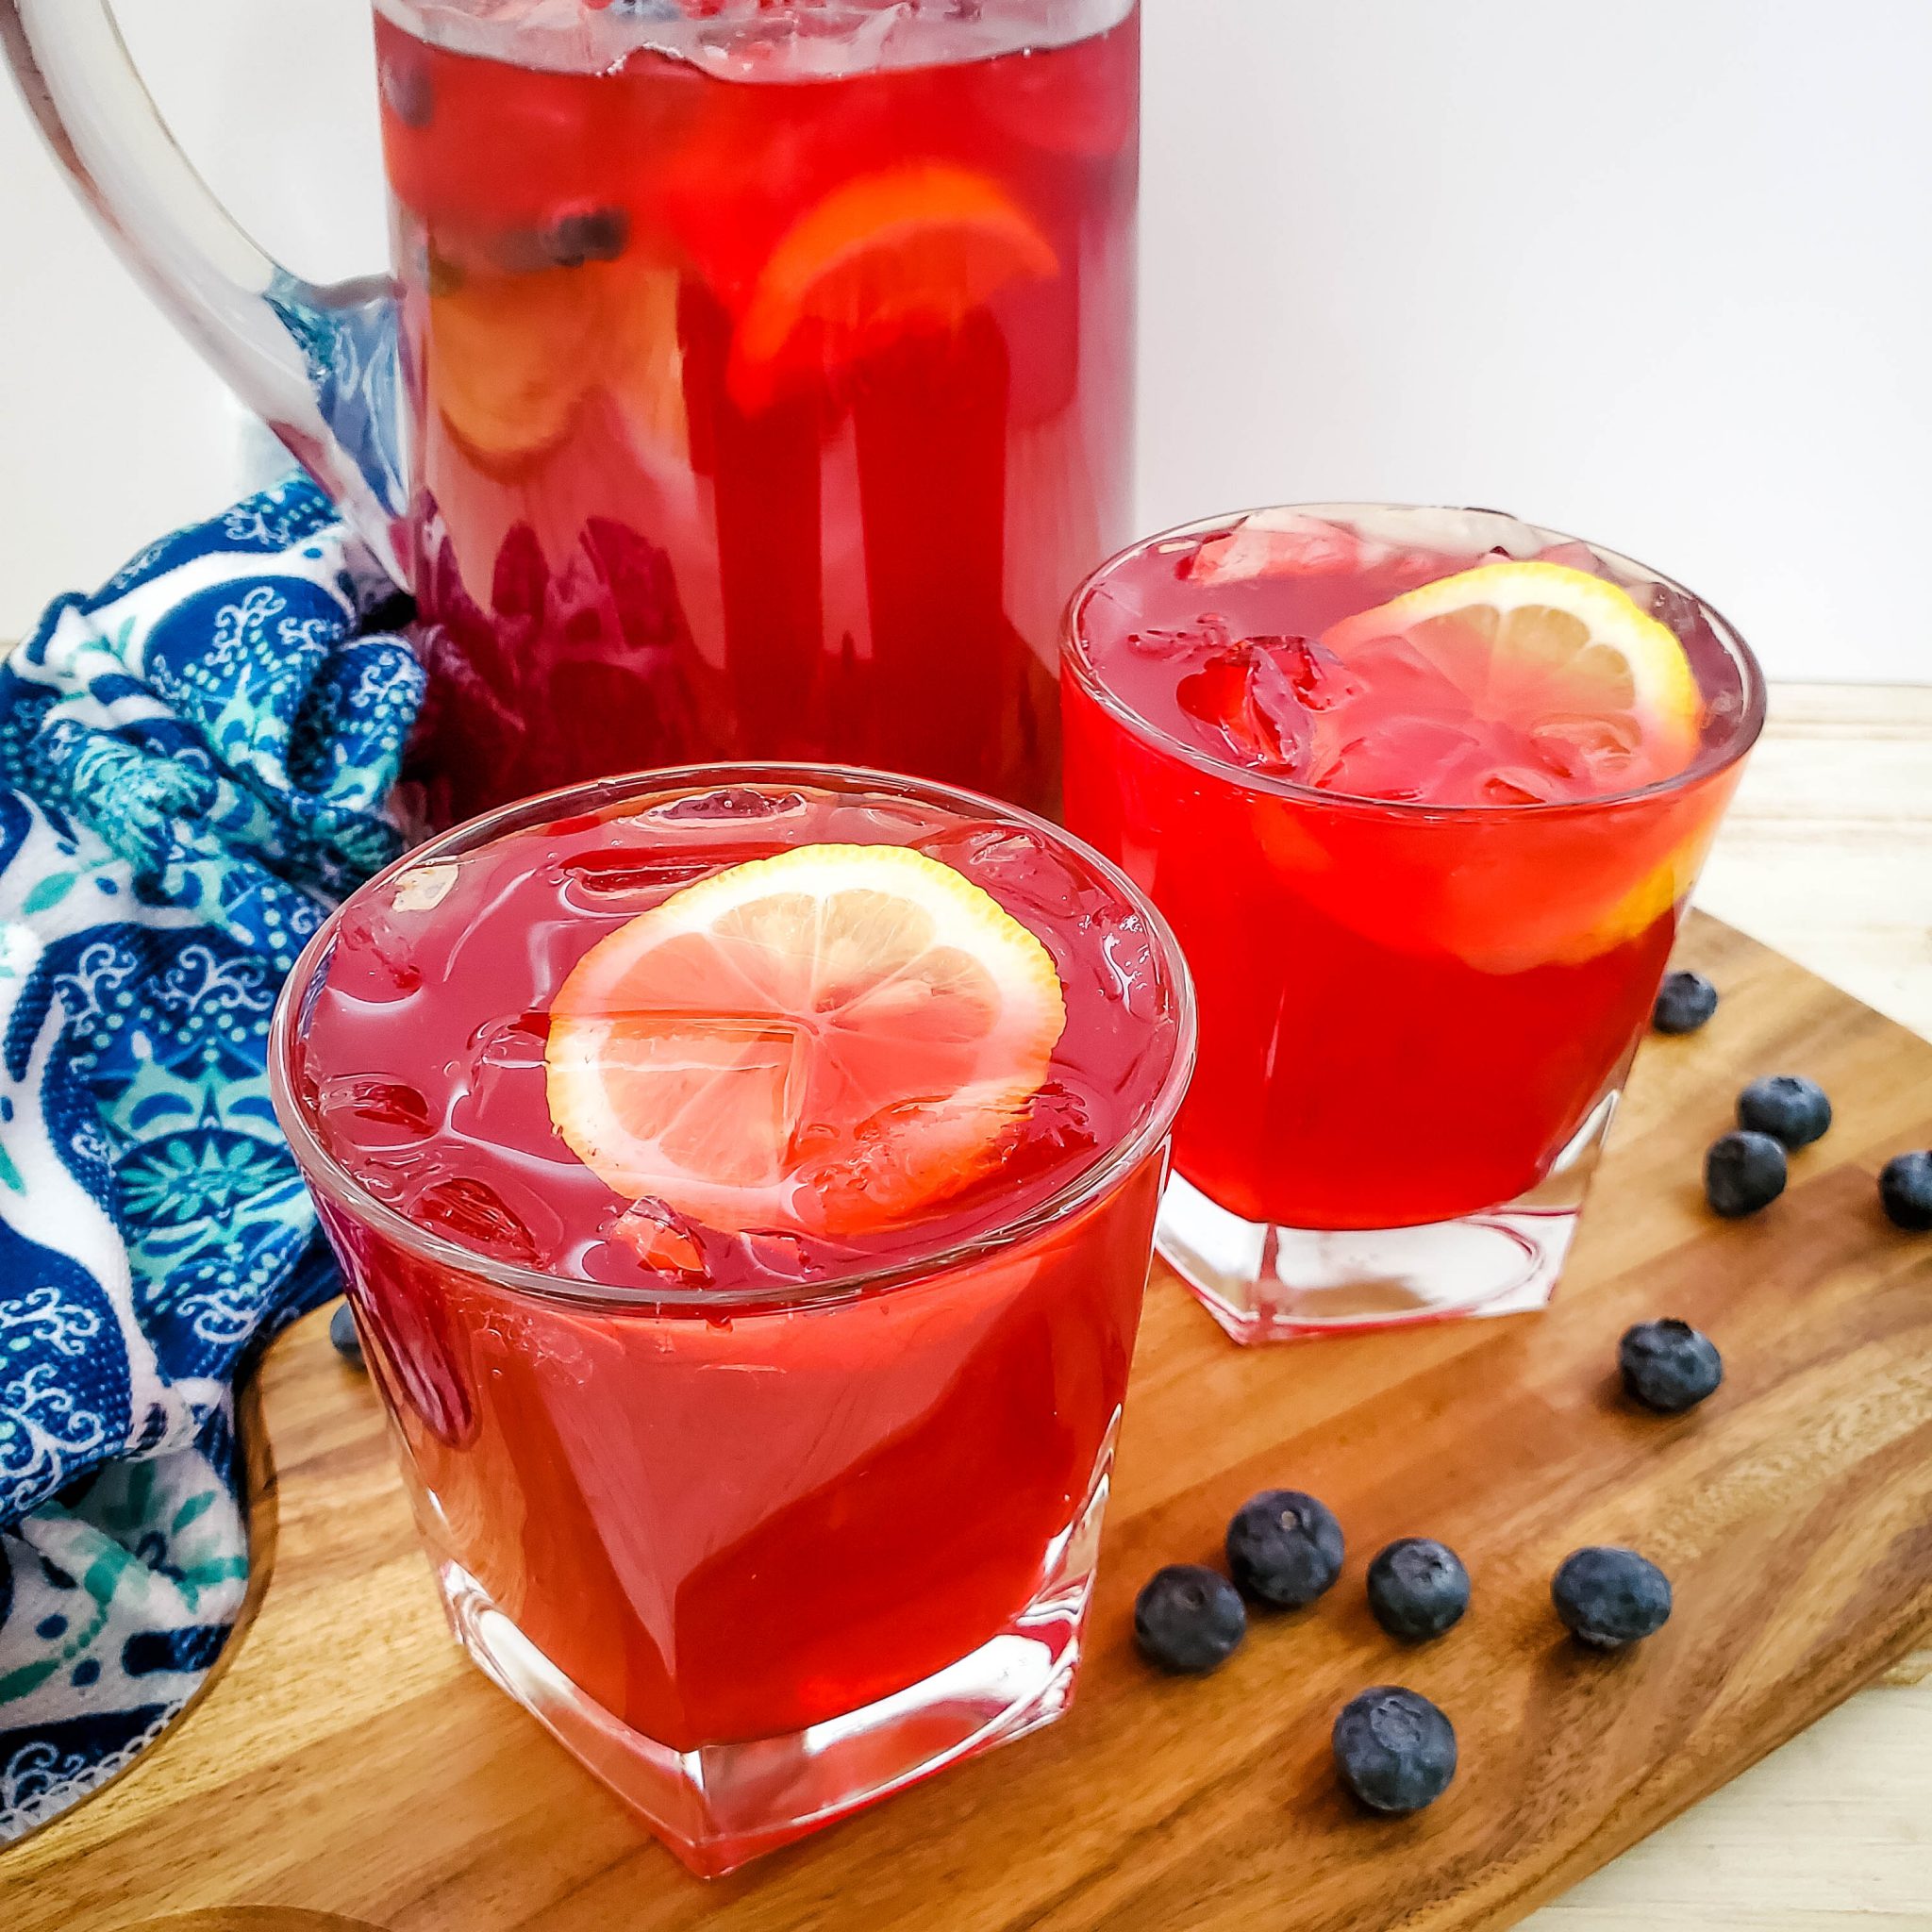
754, 378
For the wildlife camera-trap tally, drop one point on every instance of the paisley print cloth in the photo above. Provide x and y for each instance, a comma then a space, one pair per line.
193, 763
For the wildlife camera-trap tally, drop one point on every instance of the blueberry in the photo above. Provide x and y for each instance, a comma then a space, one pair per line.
1669, 1366
595, 234
1609, 1597
1684, 1002
1396, 1751
1743, 1173
1189, 1619
1788, 1109
1905, 1188
1284, 1548
1418, 1588
342, 1331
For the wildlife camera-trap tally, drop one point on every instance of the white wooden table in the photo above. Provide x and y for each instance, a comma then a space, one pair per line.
1827, 855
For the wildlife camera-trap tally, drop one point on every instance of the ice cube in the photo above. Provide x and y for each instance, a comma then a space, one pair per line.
1210, 634
825, 42
1441, 531
369, 1112
1115, 607
423, 888
731, 803
976, 844
372, 960
595, 880
1129, 968
870, 818
662, 1239
1522, 785
473, 1212
1016, 866
1437, 760
1573, 556
1276, 542
1313, 673
1679, 612
1259, 697
1055, 1129
1585, 749
518, 1041
1404, 678
1058, 1118
789, 40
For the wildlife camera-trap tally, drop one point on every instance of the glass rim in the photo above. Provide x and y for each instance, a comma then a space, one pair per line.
1711, 760
323, 1172
559, 47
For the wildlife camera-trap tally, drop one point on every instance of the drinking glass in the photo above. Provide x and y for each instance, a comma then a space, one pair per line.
1416, 1020
757, 1550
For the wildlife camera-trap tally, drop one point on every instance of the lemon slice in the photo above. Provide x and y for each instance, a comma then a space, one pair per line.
511, 357
926, 242
1508, 685
1550, 650
831, 1039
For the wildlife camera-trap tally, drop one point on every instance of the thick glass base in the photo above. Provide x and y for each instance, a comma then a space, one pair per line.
721, 1804
1263, 1282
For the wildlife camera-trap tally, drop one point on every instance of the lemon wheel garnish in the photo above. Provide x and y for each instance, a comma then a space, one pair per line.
1580, 695
831, 1039
1530, 642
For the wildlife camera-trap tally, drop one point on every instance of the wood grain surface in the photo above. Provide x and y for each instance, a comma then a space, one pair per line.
348, 1771
1826, 856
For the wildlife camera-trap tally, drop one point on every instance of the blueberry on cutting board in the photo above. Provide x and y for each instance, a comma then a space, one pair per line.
1743, 1173
1684, 1003
1669, 1366
1189, 1620
342, 1331
1608, 1598
1394, 1749
1904, 1191
1284, 1548
1792, 1111
1418, 1588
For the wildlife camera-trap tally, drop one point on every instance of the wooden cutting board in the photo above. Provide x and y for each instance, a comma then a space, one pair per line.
346, 1770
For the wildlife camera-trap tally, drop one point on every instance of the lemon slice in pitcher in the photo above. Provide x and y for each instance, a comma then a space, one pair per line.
831, 1039
924, 243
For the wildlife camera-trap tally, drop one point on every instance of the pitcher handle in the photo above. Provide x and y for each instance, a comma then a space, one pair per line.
320, 363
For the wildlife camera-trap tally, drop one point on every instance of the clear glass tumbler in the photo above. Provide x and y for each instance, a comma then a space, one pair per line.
762, 1525
1416, 1018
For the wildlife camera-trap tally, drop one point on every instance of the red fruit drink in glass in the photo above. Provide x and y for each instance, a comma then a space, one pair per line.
762, 1521
1426, 921
771, 367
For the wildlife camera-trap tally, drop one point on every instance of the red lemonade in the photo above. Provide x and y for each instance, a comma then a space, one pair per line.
1423, 794
771, 371
826, 1416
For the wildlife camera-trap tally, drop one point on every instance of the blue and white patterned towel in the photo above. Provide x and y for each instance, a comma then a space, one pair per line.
192, 763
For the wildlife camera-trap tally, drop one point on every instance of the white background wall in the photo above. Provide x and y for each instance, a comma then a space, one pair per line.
1660, 272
